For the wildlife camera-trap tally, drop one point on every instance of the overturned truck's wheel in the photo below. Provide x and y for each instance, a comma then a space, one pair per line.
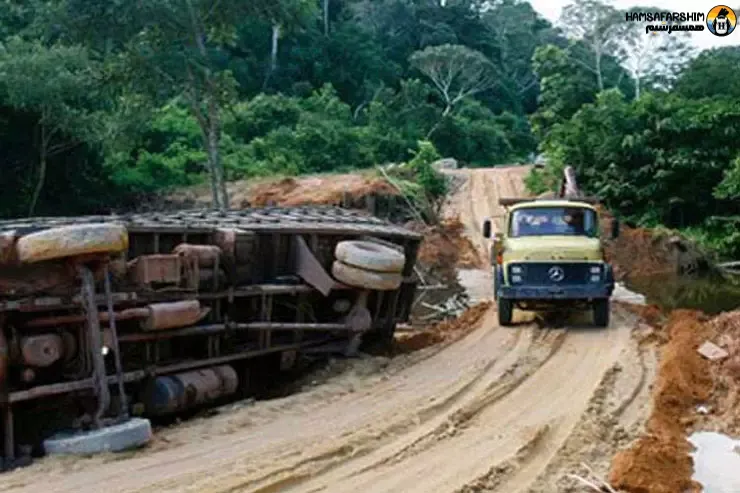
370, 256
71, 241
505, 312
365, 279
131, 434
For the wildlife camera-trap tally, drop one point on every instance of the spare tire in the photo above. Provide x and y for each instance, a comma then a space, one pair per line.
370, 256
366, 279
71, 241
131, 434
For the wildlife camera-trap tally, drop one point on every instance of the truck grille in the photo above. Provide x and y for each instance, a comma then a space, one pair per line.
538, 273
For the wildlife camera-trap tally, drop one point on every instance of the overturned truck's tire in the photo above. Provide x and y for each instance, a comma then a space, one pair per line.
365, 279
370, 256
131, 434
71, 241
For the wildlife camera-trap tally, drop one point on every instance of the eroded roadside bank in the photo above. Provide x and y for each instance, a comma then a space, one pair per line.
691, 392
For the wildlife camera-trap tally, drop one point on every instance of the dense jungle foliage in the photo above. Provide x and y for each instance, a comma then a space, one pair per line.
104, 103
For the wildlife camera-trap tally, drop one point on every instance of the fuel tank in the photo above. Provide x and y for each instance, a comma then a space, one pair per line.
182, 391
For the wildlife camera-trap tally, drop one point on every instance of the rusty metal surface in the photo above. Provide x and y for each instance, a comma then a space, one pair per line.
8, 254
41, 350
205, 255
269, 219
219, 328
183, 391
161, 268
310, 269
122, 398
163, 316
96, 345
137, 375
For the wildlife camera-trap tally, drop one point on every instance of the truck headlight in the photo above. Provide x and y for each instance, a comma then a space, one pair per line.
516, 278
595, 269
595, 278
516, 270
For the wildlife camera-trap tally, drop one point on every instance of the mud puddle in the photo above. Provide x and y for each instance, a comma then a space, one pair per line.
716, 462
711, 295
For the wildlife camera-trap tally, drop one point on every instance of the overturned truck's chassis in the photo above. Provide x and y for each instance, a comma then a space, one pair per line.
88, 340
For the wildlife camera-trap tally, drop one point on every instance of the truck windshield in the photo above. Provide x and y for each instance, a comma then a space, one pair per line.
552, 221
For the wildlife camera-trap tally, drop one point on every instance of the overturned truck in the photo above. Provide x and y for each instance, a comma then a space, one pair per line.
103, 318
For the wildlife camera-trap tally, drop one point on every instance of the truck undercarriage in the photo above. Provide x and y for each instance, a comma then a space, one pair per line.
196, 302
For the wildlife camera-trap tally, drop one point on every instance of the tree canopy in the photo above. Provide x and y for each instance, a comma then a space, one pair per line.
105, 103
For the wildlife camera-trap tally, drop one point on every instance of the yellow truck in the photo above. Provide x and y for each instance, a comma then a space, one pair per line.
549, 257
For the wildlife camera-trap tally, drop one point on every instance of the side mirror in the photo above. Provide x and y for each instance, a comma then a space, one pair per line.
615, 228
487, 228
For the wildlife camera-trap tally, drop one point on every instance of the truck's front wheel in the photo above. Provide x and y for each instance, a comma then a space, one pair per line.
601, 313
505, 312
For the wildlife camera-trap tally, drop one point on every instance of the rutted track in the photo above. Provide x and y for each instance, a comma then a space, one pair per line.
503, 409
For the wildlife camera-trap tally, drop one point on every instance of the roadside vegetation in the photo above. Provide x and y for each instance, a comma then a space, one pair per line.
105, 104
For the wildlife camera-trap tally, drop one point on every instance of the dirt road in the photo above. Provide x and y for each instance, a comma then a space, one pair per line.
503, 410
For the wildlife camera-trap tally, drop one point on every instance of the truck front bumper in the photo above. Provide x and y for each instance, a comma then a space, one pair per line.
577, 292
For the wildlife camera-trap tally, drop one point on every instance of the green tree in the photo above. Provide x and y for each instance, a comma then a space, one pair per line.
652, 59
456, 71
597, 25
709, 75
59, 85
174, 49
514, 31
564, 88
657, 159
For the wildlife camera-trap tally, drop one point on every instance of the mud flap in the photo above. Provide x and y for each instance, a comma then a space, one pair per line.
308, 268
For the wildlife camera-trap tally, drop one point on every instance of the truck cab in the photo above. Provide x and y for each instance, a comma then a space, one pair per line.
549, 257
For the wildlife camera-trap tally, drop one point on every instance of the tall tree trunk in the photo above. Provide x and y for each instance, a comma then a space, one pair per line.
273, 55
39, 181
218, 181
446, 112
43, 157
210, 123
599, 76
213, 139
637, 87
326, 17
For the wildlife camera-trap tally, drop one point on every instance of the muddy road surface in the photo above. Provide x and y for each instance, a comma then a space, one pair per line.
502, 409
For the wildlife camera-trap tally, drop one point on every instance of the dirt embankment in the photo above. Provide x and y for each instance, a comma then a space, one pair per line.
446, 248
659, 461
352, 189
643, 252
446, 331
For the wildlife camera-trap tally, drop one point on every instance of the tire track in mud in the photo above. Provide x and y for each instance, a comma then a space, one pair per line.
515, 368
359, 442
461, 419
363, 445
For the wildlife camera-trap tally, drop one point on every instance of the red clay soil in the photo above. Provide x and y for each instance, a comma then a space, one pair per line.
725, 403
446, 246
637, 250
446, 331
643, 252
319, 190
659, 461
309, 190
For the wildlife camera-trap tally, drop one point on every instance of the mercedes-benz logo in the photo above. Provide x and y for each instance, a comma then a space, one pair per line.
556, 274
